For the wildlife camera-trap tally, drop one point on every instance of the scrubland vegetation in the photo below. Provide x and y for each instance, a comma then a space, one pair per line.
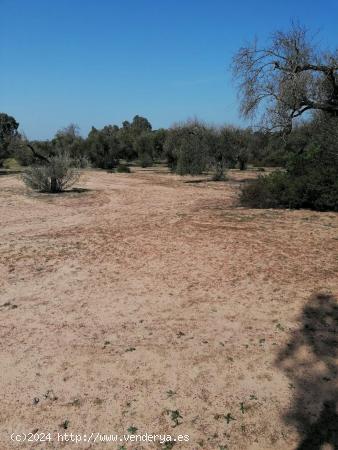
305, 161
188, 286
288, 79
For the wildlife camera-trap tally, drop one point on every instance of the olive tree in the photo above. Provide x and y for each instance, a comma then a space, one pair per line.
223, 152
8, 133
104, 147
144, 145
187, 147
286, 78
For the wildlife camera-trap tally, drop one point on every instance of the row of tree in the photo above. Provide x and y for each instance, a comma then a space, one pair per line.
308, 156
102, 148
191, 147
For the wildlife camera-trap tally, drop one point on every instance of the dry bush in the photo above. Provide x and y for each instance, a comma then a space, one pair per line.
58, 174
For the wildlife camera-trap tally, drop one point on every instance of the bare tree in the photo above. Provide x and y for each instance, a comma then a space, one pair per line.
286, 78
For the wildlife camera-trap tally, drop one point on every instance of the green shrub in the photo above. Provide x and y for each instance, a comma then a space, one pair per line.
311, 176
264, 191
315, 190
11, 164
219, 175
123, 168
145, 160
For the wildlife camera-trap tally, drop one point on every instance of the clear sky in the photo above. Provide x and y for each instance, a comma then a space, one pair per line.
95, 62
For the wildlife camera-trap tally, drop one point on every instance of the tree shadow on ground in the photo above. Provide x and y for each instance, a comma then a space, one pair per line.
310, 361
73, 192
76, 190
245, 180
9, 172
199, 180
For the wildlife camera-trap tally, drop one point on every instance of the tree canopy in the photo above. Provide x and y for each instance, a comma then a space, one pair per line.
286, 78
8, 131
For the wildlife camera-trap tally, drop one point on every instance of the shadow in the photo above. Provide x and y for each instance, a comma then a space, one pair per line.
9, 172
310, 361
67, 192
200, 180
245, 180
77, 191
227, 179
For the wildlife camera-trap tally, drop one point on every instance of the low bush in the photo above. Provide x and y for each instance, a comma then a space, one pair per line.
317, 190
11, 164
264, 192
145, 160
58, 174
219, 175
310, 179
123, 168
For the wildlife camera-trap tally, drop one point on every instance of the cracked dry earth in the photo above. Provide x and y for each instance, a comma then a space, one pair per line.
148, 294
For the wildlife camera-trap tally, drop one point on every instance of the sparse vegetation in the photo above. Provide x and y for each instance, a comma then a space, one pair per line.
242, 407
169, 243
168, 445
308, 156
65, 424
171, 393
130, 349
228, 418
175, 416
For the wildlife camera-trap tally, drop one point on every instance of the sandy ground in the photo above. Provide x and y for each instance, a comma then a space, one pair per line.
149, 296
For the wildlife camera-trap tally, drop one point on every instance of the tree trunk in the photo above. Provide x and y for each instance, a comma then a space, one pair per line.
219, 172
53, 185
242, 164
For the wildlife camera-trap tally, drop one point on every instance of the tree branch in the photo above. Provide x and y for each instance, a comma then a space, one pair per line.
36, 154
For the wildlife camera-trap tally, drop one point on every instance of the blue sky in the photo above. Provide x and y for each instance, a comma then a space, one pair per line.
95, 62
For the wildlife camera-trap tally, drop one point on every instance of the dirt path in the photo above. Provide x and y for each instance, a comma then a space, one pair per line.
148, 294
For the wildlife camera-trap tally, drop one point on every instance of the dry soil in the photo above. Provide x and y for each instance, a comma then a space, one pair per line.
148, 295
